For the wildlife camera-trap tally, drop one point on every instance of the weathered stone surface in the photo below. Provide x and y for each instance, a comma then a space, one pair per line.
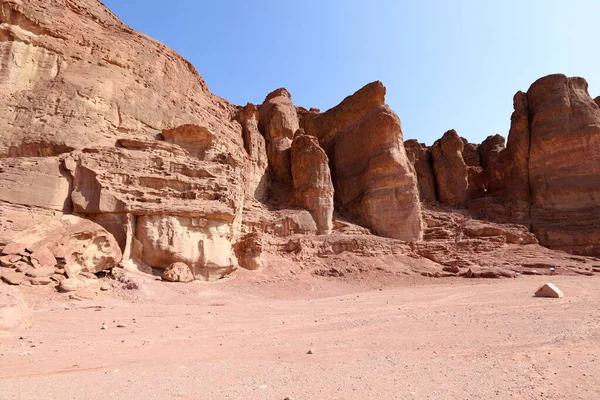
117, 180
178, 272
40, 182
371, 173
41, 272
249, 251
420, 156
470, 154
373, 178
76, 240
352, 109
203, 244
564, 169
41, 256
450, 169
74, 67
278, 121
507, 173
489, 150
257, 178
311, 177
12, 277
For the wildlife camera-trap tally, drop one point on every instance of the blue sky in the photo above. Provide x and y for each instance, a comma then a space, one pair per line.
446, 64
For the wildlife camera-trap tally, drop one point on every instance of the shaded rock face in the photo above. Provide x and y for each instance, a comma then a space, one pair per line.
371, 173
420, 156
313, 189
450, 169
257, 178
278, 121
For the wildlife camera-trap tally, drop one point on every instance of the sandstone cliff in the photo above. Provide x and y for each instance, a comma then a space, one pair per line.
114, 152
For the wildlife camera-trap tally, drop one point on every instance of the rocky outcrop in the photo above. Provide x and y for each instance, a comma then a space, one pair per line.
313, 189
371, 173
79, 244
256, 175
278, 121
420, 157
489, 150
450, 169
564, 123
74, 67
176, 207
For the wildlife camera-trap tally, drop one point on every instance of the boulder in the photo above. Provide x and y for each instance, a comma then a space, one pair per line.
450, 170
420, 157
549, 290
249, 251
12, 277
313, 189
278, 121
178, 272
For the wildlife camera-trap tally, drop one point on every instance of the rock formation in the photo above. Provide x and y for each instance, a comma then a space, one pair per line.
450, 169
313, 189
371, 174
257, 178
420, 157
113, 152
278, 121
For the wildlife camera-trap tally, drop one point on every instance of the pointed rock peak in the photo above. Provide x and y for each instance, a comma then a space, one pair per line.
281, 92
549, 290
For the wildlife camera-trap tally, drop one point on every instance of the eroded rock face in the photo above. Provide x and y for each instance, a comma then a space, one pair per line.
450, 169
83, 245
371, 173
420, 156
74, 67
249, 251
257, 178
564, 169
163, 205
37, 182
203, 244
278, 121
312, 184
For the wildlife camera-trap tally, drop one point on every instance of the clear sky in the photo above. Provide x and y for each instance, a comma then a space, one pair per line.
447, 64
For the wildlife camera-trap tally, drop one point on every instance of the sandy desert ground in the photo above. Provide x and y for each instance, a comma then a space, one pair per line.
244, 338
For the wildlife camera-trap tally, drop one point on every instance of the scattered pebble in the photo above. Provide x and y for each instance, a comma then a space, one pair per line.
177, 326
104, 288
104, 326
311, 351
122, 326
